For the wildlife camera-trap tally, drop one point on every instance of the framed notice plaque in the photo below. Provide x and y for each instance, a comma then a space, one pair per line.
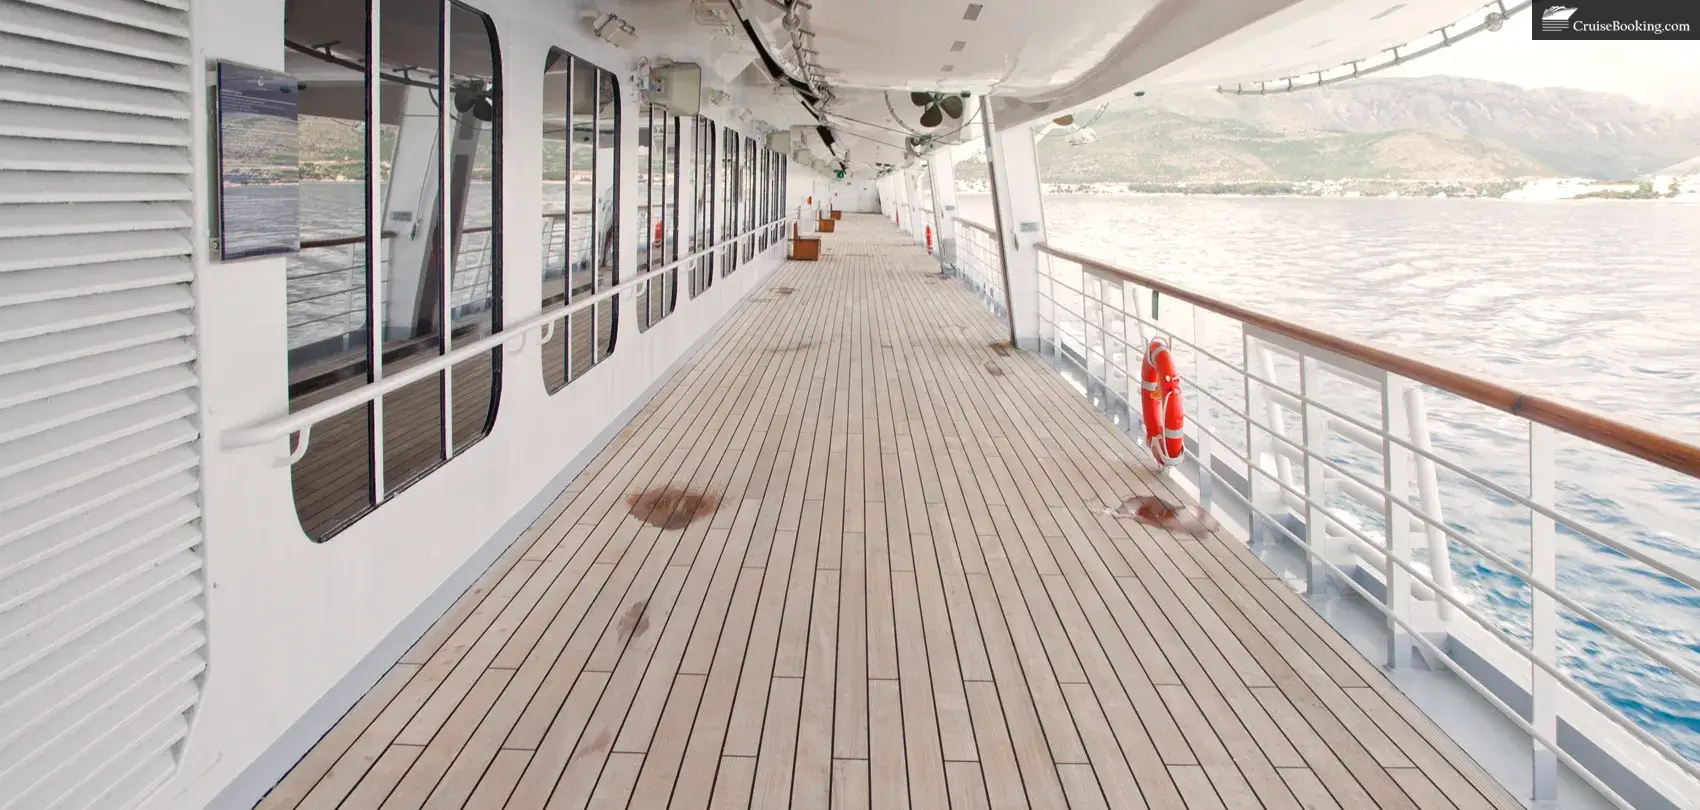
255, 129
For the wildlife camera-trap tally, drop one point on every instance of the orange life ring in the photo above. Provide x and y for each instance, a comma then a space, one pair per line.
1162, 406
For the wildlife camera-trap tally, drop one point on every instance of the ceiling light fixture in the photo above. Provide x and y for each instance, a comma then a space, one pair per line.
616, 31
973, 12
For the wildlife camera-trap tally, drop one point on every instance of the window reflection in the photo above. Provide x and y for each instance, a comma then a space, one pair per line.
730, 183
327, 280
658, 177
703, 175
581, 121
379, 188
748, 196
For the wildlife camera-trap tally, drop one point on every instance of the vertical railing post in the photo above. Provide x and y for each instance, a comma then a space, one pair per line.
1543, 611
1128, 392
1396, 479
1318, 587
1206, 484
348, 319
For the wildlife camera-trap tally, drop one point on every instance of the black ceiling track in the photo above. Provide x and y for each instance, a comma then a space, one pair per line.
777, 72
772, 65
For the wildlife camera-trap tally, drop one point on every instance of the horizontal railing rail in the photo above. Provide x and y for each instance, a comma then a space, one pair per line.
302, 421
968, 223
1670, 453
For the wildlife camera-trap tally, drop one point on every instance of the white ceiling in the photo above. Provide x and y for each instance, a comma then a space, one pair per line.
1012, 47
1038, 58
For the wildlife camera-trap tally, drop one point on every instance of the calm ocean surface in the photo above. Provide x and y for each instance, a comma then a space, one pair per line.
1594, 302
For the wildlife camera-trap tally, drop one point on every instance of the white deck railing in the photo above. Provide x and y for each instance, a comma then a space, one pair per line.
1324, 443
978, 263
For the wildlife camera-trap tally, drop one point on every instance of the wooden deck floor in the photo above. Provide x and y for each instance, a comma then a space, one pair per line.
887, 584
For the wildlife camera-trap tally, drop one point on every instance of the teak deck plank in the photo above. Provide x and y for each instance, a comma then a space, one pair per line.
905, 595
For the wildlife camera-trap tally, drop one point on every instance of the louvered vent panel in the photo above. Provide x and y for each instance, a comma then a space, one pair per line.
102, 623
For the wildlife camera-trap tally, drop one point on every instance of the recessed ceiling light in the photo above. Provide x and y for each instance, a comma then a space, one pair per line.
1389, 10
958, 45
973, 12
1320, 44
948, 68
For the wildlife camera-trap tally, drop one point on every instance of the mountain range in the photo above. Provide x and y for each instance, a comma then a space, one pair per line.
1433, 129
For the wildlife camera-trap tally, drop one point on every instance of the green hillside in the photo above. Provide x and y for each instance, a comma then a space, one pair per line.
1156, 146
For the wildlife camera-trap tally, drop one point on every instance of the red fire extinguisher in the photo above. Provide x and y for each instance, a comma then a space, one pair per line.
929, 240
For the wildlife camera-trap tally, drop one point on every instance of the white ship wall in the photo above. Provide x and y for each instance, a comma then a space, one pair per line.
855, 196
298, 630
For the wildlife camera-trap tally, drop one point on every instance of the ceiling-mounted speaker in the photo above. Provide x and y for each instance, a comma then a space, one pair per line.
779, 141
678, 87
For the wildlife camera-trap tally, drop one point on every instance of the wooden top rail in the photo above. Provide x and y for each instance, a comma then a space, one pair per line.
977, 226
1672, 454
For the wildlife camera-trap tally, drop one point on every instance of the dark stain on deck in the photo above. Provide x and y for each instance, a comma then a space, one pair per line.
634, 621
792, 348
1002, 347
994, 369
785, 290
597, 743
671, 508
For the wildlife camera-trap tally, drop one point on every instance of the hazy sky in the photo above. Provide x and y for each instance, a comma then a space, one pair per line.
1661, 73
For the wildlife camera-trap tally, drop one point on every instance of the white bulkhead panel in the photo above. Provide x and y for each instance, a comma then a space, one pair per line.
102, 637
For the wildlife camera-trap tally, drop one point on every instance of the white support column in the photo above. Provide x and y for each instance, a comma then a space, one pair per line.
412, 184
1543, 611
1013, 166
941, 173
906, 199
376, 217
912, 193
1428, 487
1261, 468
1318, 584
1396, 479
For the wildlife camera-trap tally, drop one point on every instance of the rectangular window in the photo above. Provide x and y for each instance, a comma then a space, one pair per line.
731, 180
658, 165
581, 159
702, 181
749, 197
766, 202
383, 187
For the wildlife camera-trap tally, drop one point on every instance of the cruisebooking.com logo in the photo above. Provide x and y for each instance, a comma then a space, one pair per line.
1616, 19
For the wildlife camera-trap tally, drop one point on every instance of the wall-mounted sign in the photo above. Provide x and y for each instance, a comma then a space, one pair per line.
256, 188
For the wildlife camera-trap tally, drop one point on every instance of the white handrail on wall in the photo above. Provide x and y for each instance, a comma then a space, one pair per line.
301, 421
